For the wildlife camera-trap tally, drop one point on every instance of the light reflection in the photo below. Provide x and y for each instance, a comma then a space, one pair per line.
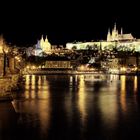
44, 107
82, 99
135, 88
109, 109
45, 84
69, 99
33, 82
38, 88
39, 83
106, 105
71, 83
36, 111
30, 94
123, 93
27, 95
135, 84
113, 82
27, 81
113, 77
71, 79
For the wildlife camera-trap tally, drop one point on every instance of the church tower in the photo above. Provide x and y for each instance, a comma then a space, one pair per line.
109, 35
44, 44
41, 42
114, 33
121, 31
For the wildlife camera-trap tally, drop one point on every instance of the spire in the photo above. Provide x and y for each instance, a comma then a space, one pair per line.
115, 27
46, 39
42, 38
109, 35
121, 31
109, 31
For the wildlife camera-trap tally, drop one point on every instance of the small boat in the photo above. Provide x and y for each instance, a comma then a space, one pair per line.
95, 78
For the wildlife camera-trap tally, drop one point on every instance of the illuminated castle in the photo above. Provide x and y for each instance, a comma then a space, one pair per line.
115, 36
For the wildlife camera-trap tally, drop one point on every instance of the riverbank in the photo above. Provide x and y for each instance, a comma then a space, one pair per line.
72, 72
65, 72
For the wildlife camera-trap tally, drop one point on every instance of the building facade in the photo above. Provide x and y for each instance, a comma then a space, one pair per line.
62, 64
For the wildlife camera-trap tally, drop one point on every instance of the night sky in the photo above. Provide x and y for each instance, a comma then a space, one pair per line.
23, 23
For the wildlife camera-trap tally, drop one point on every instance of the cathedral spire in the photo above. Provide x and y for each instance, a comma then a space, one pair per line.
109, 31
108, 35
115, 27
121, 31
42, 38
46, 39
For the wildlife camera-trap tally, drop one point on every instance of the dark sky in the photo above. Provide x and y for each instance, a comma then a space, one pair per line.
23, 23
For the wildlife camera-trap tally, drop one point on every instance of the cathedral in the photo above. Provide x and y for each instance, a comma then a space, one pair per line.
43, 45
115, 36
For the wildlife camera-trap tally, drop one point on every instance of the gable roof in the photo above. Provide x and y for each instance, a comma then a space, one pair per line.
125, 37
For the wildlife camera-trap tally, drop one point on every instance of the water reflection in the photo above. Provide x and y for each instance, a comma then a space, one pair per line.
56, 107
109, 110
123, 93
108, 103
82, 99
36, 108
135, 84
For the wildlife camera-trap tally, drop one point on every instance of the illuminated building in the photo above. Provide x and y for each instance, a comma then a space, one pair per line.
115, 36
43, 45
122, 42
59, 64
8, 62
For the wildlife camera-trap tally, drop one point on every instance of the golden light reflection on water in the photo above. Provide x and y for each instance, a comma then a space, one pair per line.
39, 81
109, 109
30, 94
45, 85
123, 93
82, 99
37, 103
113, 82
33, 82
36, 87
135, 88
108, 104
30, 87
27, 81
135, 84
68, 103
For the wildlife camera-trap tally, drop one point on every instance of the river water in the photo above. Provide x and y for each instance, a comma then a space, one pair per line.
64, 107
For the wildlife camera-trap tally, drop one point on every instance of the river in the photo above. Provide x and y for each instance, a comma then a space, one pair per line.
65, 107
